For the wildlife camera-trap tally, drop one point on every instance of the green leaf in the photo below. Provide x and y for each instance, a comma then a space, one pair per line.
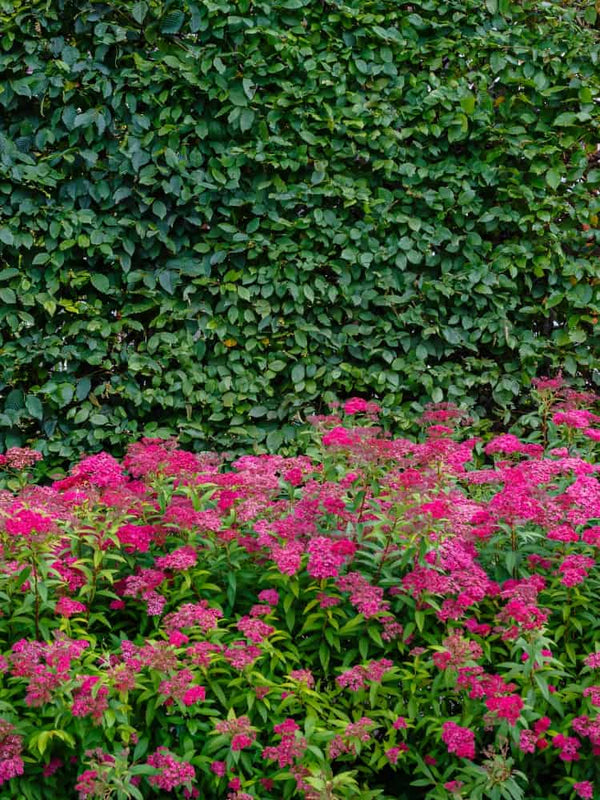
298, 373
7, 295
167, 280
34, 406
100, 282
274, 440
238, 96
467, 103
83, 388
258, 411
139, 11
15, 400
172, 22
553, 178
246, 119
567, 118
6, 236
160, 209
64, 393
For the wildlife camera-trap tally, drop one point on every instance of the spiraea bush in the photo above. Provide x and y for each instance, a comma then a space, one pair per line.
216, 214
377, 617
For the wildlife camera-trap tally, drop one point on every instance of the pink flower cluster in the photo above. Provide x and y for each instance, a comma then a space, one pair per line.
240, 729
291, 747
326, 556
459, 740
359, 677
193, 615
172, 773
575, 569
89, 701
19, 458
136, 538
181, 687
356, 405
584, 789
66, 607
11, 747
255, 629
46, 666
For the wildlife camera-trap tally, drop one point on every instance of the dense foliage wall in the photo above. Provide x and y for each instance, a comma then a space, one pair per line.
214, 214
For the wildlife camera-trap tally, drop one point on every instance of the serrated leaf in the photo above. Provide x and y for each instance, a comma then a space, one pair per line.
172, 22
139, 11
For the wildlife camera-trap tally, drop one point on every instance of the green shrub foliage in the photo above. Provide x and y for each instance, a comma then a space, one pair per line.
215, 213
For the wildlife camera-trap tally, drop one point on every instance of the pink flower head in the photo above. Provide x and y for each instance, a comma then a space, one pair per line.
88, 701
11, 746
507, 707
255, 629
593, 660
241, 741
293, 476
568, 746
303, 676
26, 524
453, 787
287, 727
177, 638
356, 405
338, 437
136, 538
66, 607
181, 559
173, 773
393, 753
270, 596
459, 740
585, 789
575, 418
326, 556
193, 695
101, 470
89, 784
359, 677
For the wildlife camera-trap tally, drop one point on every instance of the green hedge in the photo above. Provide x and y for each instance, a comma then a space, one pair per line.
214, 214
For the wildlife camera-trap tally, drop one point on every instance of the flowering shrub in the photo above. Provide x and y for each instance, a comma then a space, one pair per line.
378, 618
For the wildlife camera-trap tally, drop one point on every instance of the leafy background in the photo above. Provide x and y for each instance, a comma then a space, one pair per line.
215, 214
